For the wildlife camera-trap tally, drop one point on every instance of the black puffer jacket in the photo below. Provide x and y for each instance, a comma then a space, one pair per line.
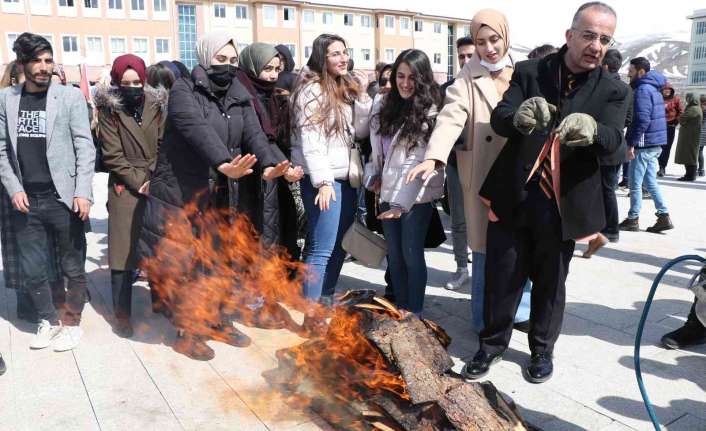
202, 132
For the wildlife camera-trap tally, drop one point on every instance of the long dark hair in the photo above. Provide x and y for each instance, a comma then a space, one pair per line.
336, 92
410, 115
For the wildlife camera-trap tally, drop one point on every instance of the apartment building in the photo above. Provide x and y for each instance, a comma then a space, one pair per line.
372, 35
697, 57
93, 32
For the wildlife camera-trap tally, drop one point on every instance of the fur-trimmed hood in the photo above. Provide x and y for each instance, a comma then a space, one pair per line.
107, 98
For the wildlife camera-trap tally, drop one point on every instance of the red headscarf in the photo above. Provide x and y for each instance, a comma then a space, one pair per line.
125, 62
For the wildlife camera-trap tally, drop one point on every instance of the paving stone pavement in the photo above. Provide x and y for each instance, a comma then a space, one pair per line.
109, 383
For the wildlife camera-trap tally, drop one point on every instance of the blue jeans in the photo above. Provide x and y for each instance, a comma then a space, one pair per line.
324, 255
458, 218
644, 168
477, 293
405, 255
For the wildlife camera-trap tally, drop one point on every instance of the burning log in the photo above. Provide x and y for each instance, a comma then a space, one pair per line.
381, 368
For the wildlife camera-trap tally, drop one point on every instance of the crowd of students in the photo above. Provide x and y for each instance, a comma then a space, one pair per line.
519, 147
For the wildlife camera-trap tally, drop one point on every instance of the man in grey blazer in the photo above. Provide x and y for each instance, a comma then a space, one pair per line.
46, 165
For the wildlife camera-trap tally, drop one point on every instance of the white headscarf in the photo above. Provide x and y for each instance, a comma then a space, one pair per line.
209, 44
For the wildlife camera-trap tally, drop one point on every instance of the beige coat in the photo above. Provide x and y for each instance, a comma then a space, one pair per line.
471, 99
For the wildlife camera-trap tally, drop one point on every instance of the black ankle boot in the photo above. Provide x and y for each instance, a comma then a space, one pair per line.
630, 225
687, 335
663, 223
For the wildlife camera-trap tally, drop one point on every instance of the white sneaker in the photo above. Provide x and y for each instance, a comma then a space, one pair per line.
68, 338
458, 279
46, 333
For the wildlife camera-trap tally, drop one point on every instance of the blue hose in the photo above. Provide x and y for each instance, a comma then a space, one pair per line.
640, 327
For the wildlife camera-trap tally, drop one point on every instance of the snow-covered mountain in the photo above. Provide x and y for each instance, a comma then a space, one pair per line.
667, 53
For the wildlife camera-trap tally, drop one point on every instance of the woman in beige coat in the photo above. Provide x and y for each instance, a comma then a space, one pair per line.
469, 102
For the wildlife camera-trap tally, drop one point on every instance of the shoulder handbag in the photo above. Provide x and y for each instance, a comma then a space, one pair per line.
355, 163
355, 166
365, 245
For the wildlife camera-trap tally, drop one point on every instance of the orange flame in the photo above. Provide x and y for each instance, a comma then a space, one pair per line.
211, 266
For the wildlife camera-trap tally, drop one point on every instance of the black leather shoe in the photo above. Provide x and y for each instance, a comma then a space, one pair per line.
123, 328
480, 365
540, 368
3, 367
684, 337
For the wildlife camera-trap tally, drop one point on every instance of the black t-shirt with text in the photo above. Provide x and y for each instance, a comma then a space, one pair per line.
32, 142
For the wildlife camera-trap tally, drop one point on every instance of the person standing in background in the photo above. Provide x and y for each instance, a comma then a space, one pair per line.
465, 49
687, 153
673, 110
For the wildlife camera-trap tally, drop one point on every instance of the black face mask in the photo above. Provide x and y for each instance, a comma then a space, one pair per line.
132, 97
221, 74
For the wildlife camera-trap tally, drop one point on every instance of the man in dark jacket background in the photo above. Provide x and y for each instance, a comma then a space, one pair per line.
543, 194
646, 137
610, 165
673, 109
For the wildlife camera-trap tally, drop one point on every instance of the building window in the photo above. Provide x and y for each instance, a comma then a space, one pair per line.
241, 12
90, 4
389, 22
161, 46
308, 17
219, 10
450, 45
348, 19
140, 47
138, 5
94, 50
40, 7
351, 53
269, 15
10, 38
161, 49
118, 47
307, 51
365, 21
289, 16
418, 26
66, 3
437, 58
160, 5
115, 4
701, 27
365, 53
69, 45
699, 52
698, 76
389, 55
466, 30
404, 23
187, 34
327, 18
437, 27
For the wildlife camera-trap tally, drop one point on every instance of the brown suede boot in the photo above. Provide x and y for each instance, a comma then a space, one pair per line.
663, 223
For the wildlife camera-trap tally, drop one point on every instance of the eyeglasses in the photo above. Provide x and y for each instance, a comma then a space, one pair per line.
589, 37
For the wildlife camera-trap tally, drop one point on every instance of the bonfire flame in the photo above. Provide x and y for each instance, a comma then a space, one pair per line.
211, 267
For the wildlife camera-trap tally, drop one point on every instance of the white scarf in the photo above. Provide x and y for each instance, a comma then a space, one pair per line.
500, 65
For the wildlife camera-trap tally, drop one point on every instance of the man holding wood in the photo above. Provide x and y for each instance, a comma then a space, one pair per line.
544, 190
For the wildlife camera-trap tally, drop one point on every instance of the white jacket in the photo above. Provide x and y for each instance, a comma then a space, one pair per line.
322, 158
398, 162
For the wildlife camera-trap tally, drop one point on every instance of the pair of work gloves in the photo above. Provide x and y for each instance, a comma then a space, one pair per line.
535, 114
